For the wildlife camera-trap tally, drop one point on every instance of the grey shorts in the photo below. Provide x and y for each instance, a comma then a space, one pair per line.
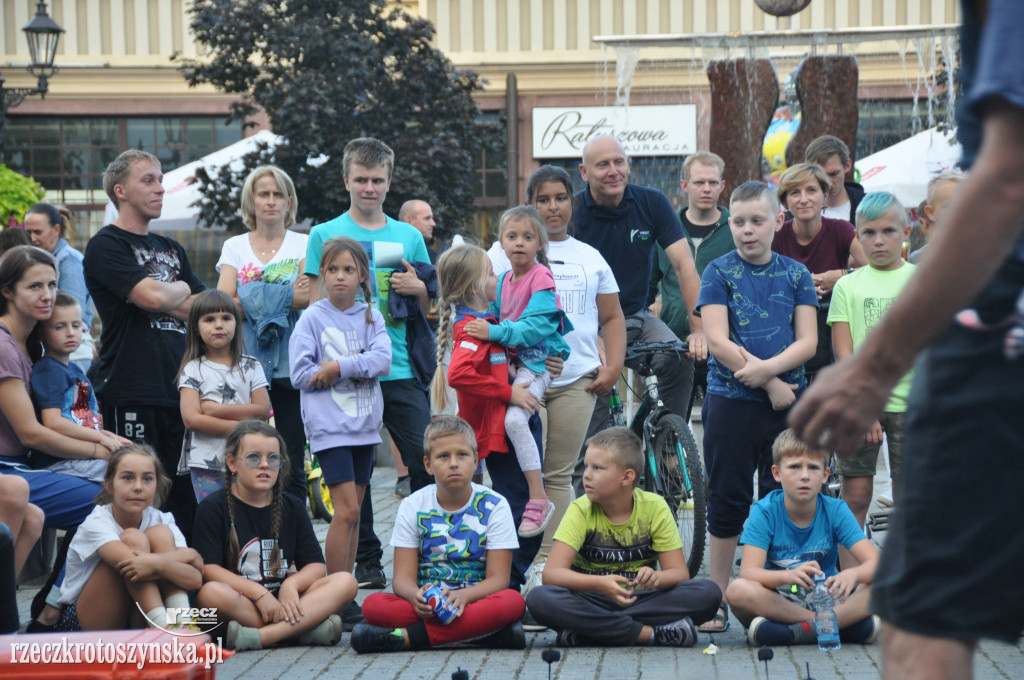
864, 461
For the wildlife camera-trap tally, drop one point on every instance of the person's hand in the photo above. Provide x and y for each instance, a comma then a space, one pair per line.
803, 575
270, 609
523, 398
826, 281
698, 346
554, 366
121, 441
618, 589
326, 376
781, 394
407, 283
875, 433
420, 604
604, 382
646, 579
291, 607
756, 373
841, 585
477, 328
301, 283
456, 602
841, 404
142, 567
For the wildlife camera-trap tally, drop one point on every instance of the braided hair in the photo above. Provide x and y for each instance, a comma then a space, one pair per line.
232, 447
462, 274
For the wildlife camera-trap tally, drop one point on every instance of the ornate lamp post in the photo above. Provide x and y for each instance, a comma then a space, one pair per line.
42, 34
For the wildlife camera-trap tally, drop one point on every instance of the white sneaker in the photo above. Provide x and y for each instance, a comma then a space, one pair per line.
536, 577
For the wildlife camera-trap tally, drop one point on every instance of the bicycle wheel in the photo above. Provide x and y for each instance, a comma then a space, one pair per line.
833, 486
322, 505
686, 494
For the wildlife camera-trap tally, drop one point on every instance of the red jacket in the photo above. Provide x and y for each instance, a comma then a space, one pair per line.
478, 373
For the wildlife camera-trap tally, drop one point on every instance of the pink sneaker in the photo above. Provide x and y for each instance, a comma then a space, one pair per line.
536, 516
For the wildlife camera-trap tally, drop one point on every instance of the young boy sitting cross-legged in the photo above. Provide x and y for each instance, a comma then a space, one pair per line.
458, 536
792, 535
601, 586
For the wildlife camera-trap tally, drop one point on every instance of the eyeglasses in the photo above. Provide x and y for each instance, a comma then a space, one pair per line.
253, 460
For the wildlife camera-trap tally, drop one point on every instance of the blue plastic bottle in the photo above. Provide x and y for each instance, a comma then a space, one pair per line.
826, 625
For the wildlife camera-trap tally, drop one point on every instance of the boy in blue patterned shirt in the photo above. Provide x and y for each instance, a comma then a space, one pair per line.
793, 535
759, 310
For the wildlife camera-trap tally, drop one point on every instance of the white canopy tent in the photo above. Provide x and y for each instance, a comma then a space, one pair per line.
181, 189
905, 168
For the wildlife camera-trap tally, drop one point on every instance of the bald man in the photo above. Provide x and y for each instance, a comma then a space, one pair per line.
418, 214
623, 222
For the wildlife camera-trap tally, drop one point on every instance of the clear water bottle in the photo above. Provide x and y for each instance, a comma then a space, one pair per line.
825, 622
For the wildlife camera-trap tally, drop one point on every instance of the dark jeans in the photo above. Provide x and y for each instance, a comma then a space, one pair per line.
508, 480
406, 415
285, 401
369, 548
8, 596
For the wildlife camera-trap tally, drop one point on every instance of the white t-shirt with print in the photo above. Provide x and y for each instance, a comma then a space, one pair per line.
283, 268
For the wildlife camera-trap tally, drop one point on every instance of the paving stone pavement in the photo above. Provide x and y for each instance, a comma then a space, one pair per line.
734, 660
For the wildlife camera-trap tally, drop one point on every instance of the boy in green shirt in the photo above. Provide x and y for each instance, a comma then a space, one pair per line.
600, 583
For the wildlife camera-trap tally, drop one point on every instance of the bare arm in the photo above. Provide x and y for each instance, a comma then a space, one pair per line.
848, 396
258, 408
842, 339
558, 572
613, 327
228, 282
716, 329
499, 565
181, 566
403, 583
248, 589
316, 289
158, 296
197, 420
689, 285
752, 568
107, 441
16, 407
301, 287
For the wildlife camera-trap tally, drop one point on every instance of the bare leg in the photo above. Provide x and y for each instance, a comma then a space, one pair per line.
535, 480
229, 603
105, 603
31, 530
24, 520
749, 599
338, 546
326, 596
909, 656
161, 540
857, 492
145, 593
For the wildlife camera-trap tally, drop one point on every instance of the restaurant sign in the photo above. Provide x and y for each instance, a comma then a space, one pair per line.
642, 130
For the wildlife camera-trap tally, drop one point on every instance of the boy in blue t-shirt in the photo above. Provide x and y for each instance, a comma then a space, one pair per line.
759, 310
793, 535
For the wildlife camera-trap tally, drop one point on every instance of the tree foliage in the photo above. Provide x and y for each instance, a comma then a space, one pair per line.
17, 195
328, 71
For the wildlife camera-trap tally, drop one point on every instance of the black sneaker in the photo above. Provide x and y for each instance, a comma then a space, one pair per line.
530, 624
370, 575
509, 637
351, 616
367, 639
570, 638
681, 633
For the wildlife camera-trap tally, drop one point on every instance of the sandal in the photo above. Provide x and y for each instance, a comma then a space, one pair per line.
719, 622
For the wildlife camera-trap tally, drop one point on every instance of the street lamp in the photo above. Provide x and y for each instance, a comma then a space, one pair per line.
42, 34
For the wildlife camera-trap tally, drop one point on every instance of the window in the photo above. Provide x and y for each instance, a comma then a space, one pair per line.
69, 155
882, 123
490, 186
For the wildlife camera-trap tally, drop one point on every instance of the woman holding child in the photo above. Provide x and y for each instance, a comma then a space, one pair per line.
589, 297
826, 246
262, 270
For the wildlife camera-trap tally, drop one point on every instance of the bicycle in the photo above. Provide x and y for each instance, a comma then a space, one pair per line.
672, 465
316, 488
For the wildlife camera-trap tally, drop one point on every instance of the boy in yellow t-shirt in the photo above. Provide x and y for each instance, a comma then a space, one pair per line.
601, 586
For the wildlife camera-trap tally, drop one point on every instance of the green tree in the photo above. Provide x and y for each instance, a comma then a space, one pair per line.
17, 195
327, 71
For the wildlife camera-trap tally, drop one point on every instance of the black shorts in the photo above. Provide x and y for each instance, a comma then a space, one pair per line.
951, 566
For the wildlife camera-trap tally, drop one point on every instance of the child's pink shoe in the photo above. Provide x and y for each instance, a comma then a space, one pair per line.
536, 516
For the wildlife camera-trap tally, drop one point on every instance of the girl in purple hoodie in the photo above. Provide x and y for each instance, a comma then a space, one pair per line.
338, 350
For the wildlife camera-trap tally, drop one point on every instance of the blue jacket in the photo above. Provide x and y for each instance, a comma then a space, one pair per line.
537, 333
422, 344
269, 321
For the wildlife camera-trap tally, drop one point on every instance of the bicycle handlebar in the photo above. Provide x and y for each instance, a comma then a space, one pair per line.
637, 350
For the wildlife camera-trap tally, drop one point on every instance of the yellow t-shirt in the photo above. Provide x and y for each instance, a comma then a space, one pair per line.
606, 548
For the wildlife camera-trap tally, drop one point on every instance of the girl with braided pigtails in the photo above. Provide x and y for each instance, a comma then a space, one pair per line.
268, 585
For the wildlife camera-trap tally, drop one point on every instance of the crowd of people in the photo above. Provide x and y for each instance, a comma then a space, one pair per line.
155, 450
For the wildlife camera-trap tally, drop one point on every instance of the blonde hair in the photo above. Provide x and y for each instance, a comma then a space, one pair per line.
462, 275
284, 183
799, 174
447, 426
624, 446
527, 213
787, 445
343, 244
952, 177
707, 158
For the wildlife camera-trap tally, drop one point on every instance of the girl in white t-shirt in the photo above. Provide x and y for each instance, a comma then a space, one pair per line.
128, 562
218, 386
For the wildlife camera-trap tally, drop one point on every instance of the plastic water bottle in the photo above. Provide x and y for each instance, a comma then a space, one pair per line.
826, 625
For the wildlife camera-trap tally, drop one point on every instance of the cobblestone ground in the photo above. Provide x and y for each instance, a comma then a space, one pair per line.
734, 660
